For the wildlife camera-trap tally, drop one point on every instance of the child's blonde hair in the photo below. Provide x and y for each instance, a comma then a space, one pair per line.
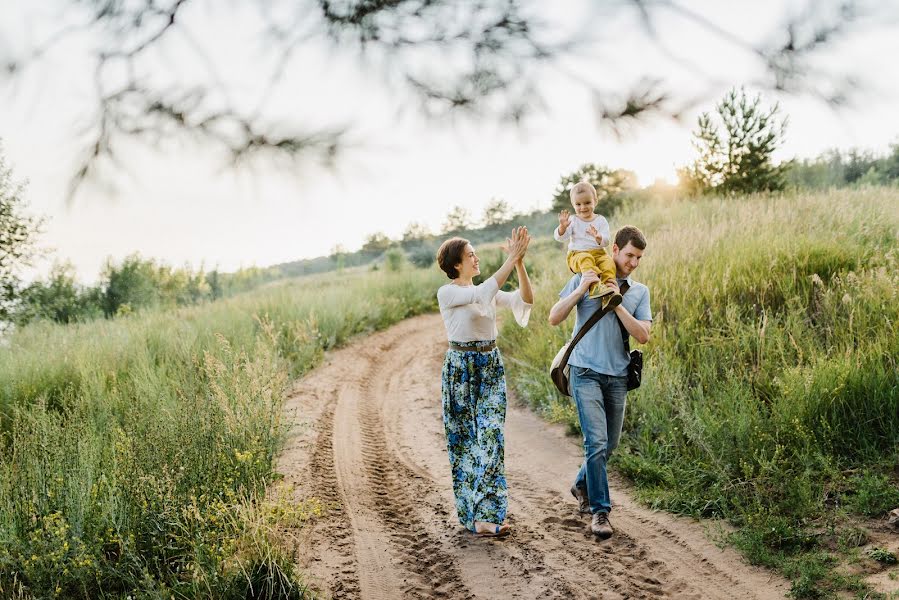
582, 187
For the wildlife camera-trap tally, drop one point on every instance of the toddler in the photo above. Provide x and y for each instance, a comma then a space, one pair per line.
588, 235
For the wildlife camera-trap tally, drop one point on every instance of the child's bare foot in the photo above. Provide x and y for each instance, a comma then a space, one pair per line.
486, 529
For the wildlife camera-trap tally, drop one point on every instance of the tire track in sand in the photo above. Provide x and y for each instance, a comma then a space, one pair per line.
324, 478
393, 489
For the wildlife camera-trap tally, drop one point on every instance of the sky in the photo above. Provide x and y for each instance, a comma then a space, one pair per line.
182, 206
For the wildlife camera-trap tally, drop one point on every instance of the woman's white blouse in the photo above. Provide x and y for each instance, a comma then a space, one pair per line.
469, 312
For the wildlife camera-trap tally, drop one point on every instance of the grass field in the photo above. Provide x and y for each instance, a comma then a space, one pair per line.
136, 452
771, 391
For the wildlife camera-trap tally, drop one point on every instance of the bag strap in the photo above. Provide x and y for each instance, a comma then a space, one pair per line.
625, 335
594, 318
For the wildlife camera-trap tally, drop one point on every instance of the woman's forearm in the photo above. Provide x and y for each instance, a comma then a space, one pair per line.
516, 246
502, 274
524, 282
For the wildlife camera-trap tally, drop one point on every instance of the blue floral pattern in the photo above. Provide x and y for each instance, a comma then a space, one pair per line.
474, 415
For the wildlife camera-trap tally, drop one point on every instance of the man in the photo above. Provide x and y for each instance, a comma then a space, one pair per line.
599, 369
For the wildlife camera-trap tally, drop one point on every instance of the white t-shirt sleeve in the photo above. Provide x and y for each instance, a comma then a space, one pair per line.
602, 226
449, 296
521, 310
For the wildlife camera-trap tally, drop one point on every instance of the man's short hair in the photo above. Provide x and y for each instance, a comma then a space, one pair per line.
581, 187
450, 254
630, 235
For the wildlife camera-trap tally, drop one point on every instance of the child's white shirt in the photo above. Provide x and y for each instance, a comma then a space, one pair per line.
577, 236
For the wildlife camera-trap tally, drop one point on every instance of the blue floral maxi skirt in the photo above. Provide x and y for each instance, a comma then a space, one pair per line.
474, 415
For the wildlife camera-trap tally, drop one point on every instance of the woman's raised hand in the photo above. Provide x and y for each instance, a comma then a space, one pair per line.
517, 245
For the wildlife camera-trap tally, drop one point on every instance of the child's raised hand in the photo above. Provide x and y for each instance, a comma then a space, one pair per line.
564, 215
595, 233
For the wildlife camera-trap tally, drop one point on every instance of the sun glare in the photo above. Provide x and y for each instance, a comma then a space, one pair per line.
650, 174
657, 156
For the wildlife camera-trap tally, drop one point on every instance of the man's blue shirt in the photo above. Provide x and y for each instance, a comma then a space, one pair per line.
602, 348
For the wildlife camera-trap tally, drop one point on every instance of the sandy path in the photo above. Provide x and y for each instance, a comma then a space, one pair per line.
370, 443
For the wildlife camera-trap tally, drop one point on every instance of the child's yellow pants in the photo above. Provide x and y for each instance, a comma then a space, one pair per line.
596, 260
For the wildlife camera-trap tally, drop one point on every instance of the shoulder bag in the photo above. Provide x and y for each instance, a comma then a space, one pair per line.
635, 366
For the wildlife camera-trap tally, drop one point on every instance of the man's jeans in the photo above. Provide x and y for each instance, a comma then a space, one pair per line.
600, 403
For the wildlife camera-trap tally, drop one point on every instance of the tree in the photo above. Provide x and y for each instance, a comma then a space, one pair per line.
707, 171
889, 165
129, 286
59, 299
858, 163
338, 255
214, 281
610, 185
497, 212
490, 55
415, 232
18, 234
739, 161
457, 219
376, 243
394, 259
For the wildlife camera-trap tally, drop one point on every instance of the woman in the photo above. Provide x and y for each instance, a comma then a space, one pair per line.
474, 385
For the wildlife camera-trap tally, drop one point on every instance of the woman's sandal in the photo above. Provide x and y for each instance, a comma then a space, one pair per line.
499, 531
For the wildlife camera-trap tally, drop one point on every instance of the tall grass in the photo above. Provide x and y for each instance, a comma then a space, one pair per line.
136, 452
771, 394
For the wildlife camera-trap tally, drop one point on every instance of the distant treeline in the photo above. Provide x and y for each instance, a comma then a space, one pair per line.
134, 284
138, 283
842, 169
420, 250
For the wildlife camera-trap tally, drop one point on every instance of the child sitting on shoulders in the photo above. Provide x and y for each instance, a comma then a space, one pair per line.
588, 234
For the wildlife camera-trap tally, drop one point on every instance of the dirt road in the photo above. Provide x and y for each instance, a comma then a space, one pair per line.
369, 442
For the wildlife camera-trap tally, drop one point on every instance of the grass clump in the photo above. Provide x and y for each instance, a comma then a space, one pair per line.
884, 556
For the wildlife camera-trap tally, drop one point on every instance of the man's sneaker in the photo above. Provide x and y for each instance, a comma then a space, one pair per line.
612, 300
583, 501
600, 526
